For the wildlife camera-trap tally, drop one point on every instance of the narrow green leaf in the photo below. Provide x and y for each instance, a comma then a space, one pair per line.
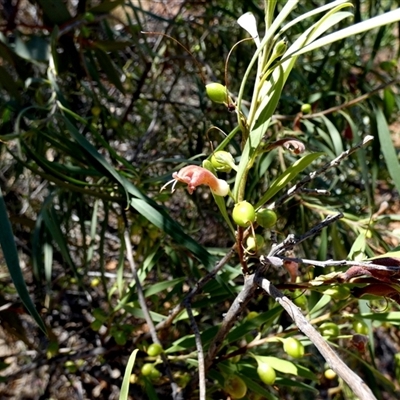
372, 23
106, 6
287, 367
323, 301
109, 68
334, 134
53, 225
160, 286
387, 147
123, 395
55, 11
287, 176
11, 256
391, 317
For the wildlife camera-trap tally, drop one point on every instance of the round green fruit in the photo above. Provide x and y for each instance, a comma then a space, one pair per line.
266, 218
330, 374
235, 387
266, 373
306, 108
155, 374
243, 214
255, 242
96, 110
293, 347
360, 327
329, 329
217, 92
147, 369
154, 350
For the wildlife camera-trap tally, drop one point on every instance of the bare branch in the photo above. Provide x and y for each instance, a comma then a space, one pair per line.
357, 385
348, 104
292, 240
341, 263
230, 317
200, 353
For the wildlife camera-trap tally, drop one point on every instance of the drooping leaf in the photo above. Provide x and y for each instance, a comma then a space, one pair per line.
12, 260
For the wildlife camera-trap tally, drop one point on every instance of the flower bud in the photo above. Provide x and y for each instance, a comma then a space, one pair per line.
223, 161
217, 92
280, 48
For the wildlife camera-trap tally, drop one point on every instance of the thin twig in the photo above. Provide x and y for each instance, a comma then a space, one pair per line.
178, 309
341, 263
312, 175
176, 391
292, 240
348, 104
357, 385
238, 305
200, 353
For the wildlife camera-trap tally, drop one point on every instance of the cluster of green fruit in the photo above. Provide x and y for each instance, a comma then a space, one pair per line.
237, 388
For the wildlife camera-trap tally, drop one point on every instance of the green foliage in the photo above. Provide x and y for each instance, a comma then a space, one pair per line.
99, 103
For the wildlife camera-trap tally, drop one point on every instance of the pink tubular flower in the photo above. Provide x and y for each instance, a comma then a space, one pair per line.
193, 176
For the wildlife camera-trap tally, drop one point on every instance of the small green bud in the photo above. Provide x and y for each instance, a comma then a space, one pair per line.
217, 92
223, 161
280, 48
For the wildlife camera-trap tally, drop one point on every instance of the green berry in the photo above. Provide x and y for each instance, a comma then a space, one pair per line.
330, 374
243, 214
293, 347
266, 373
217, 92
306, 108
266, 218
155, 374
329, 329
360, 327
154, 350
255, 242
235, 387
147, 369
96, 110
